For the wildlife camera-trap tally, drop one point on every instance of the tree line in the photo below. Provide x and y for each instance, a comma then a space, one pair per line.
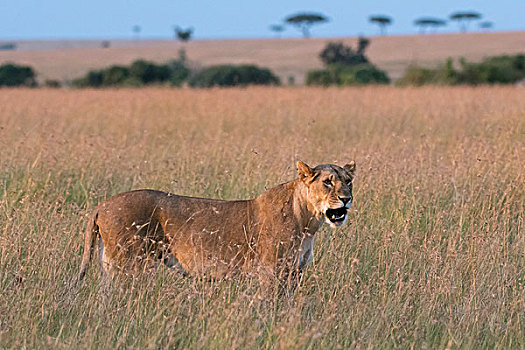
343, 65
175, 73
303, 21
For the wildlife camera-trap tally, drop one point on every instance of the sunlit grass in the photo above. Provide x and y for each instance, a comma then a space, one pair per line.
435, 255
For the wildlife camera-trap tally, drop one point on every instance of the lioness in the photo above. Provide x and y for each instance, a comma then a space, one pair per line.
272, 233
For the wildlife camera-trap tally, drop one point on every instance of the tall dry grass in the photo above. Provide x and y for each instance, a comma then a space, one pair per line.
434, 258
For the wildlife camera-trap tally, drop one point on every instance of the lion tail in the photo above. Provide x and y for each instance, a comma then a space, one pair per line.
91, 235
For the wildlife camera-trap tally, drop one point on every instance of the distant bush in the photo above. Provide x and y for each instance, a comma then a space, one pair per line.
337, 53
91, 79
321, 77
115, 75
179, 72
176, 73
8, 46
444, 74
492, 70
139, 73
417, 76
148, 72
496, 70
363, 74
229, 75
346, 66
15, 75
347, 75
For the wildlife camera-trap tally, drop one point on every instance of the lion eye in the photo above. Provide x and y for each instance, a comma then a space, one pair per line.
328, 182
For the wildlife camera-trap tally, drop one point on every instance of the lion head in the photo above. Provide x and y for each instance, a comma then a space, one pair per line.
329, 190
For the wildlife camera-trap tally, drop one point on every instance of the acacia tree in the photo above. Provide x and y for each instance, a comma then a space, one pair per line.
303, 21
183, 34
382, 21
425, 22
277, 29
463, 18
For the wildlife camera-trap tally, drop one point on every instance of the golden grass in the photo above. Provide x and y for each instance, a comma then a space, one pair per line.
286, 57
435, 256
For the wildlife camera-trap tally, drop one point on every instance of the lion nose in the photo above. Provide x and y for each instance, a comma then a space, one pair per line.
345, 199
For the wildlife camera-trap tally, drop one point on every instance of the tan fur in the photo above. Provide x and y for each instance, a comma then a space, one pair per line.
269, 234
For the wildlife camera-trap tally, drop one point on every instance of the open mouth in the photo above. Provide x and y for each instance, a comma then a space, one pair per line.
336, 215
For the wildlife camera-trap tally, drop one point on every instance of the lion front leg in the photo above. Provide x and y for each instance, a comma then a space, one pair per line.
286, 276
174, 264
284, 264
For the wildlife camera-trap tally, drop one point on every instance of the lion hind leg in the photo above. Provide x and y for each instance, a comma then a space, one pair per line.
107, 266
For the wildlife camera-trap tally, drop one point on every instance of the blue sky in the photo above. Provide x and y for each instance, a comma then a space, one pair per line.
93, 19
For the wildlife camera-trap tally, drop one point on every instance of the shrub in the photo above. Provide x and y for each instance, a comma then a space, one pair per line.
416, 76
442, 75
347, 75
8, 46
91, 79
132, 82
337, 53
229, 75
139, 73
15, 75
179, 72
344, 66
115, 75
321, 77
362, 74
148, 72
500, 69
492, 70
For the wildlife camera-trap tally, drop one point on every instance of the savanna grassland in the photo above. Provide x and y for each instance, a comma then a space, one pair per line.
434, 257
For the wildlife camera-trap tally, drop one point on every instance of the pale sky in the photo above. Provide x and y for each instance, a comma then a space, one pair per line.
214, 19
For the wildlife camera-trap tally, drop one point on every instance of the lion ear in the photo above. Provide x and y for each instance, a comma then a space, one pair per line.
304, 171
350, 169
